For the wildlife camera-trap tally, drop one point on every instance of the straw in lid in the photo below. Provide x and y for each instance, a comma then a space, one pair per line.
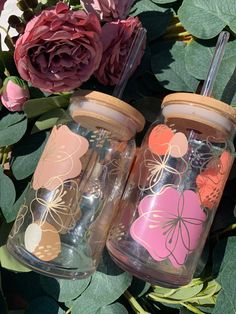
98, 110
206, 114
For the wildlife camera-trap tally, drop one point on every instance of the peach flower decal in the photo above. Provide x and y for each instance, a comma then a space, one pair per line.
60, 159
211, 181
169, 225
163, 140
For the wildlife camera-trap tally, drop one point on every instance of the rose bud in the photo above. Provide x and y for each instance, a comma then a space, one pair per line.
14, 93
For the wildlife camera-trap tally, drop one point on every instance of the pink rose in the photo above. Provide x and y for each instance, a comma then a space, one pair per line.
108, 10
14, 93
60, 49
117, 38
2, 2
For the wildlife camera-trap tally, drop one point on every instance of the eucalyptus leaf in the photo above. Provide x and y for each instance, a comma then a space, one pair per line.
64, 290
205, 19
26, 154
114, 308
169, 68
35, 107
103, 289
163, 1
186, 292
198, 56
155, 23
49, 119
12, 128
9, 262
7, 193
198, 59
11, 213
224, 263
145, 6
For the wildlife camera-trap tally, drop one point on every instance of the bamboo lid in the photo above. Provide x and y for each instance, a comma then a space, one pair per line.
98, 110
202, 101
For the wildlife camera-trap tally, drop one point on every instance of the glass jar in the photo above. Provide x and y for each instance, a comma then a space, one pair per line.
62, 226
174, 189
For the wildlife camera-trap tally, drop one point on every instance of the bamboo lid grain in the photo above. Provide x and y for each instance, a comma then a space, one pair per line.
202, 101
206, 114
97, 110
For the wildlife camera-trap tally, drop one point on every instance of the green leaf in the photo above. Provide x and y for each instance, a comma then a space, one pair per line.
169, 68
64, 290
11, 213
12, 128
49, 119
102, 290
224, 87
195, 51
106, 286
7, 63
145, 6
155, 23
163, 1
114, 308
7, 193
26, 154
43, 305
9, 262
224, 263
186, 292
35, 107
205, 19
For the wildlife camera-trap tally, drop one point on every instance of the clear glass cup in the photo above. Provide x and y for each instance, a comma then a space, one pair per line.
174, 189
62, 226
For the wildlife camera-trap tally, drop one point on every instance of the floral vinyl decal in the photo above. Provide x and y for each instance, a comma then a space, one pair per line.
211, 181
156, 170
162, 140
60, 159
169, 225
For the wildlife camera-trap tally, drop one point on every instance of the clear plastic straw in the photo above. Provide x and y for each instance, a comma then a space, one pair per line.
215, 63
130, 61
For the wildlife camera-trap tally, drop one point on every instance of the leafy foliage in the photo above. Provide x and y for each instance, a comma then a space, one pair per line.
181, 36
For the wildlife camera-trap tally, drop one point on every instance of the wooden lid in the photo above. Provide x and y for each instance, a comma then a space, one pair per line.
202, 101
107, 112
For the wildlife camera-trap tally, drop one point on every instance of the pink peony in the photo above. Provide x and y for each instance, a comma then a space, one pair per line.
14, 93
117, 38
108, 10
60, 49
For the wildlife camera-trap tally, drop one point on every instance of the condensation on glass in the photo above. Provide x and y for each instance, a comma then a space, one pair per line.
174, 189
62, 226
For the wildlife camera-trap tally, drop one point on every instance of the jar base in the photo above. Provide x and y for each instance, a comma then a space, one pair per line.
45, 268
144, 272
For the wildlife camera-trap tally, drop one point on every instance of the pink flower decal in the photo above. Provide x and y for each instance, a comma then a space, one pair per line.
60, 159
169, 225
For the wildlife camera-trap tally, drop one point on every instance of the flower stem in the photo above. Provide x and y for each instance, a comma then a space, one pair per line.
192, 308
134, 303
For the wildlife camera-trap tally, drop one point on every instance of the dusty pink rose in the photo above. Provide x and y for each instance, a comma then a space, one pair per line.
108, 10
117, 38
14, 93
2, 2
60, 49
